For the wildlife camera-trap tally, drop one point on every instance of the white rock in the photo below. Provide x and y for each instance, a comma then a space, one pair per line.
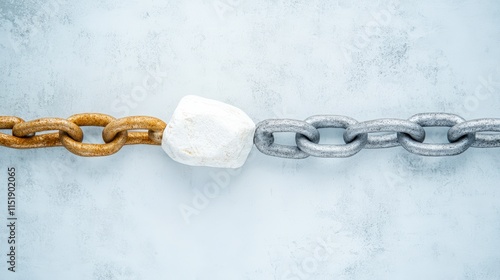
205, 132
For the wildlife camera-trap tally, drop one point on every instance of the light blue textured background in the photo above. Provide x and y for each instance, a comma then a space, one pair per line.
382, 214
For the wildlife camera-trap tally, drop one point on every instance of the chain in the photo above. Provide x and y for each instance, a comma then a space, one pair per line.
409, 134
116, 133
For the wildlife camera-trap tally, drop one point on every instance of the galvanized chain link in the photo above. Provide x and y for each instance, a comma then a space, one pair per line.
409, 134
116, 133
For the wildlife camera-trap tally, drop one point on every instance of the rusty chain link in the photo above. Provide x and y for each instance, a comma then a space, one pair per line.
116, 133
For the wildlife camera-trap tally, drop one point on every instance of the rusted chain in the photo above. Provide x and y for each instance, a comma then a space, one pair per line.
92, 150
153, 136
27, 142
116, 133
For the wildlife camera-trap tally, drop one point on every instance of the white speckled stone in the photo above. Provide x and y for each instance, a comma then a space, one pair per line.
205, 132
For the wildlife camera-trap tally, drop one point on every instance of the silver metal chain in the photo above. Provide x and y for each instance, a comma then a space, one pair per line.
409, 134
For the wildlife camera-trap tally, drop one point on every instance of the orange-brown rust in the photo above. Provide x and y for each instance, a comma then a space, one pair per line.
38, 141
154, 126
116, 133
26, 142
8, 122
24, 129
92, 150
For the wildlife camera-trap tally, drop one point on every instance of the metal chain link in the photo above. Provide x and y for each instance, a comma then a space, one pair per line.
116, 133
437, 120
325, 121
409, 134
264, 139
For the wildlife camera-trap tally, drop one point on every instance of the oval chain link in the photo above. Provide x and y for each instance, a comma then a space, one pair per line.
393, 126
436, 120
475, 126
331, 150
153, 136
264, 137
92, 150
45, 140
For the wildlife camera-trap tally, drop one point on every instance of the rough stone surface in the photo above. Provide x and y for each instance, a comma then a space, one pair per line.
205, 132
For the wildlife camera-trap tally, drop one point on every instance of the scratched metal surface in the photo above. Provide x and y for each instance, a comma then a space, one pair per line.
382, 214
